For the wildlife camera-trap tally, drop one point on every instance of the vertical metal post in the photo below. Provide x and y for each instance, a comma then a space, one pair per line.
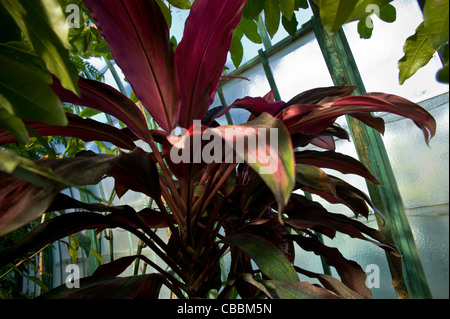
372, 153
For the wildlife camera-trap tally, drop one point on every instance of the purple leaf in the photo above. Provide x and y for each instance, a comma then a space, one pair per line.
105, 98
138, 36
85, 129
202, 54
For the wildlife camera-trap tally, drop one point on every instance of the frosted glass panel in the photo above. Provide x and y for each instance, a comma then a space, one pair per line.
377, 57
421, 171
299, 67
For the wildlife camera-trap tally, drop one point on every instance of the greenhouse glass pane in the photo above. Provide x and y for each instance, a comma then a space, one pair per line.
299, 67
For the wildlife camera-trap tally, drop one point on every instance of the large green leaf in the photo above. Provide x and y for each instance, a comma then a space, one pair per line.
269, 258
253, 8
272, 16
334, 13
25, 94
436, 16
364, 8
418, 52
287, 8
44, 24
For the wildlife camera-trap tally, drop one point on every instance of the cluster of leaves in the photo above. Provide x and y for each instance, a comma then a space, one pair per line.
212, 209
431, 35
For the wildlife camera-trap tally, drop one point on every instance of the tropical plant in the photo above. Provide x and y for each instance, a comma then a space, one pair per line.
234, 201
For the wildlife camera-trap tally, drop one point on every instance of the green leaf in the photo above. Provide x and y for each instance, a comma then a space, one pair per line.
301, 4
97, 255
253, 8
334, 13
269, 258
287, 8
442, 75
250, 29
365, 8
181, 4
436, 16
25, 95
365, 32
16, 165
418, 52
272, 16
388, 13
44, 24
166, 12
84, 242
236, 51
290, 25
13, 124
88, 112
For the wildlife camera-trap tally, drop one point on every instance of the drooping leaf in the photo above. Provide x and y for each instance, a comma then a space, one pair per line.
312, 119
334, 13
388, 13
44, 24
110, 287
365, 8
21, 202
253, 8
272, 16
138, 36
250, 29
365, 30
85, 129
25, 94
271, 158
102, 97
254, 105
374, 102
436, 22
332, 284
303, 214
287, 8
418, 52
340, 162
270, 259
296, 290
202, 54
236, 51
136, 171
351, 273
315, 96
290, 25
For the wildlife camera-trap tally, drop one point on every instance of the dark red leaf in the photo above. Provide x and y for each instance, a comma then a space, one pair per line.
21, 202
138, 36
136, 171
202, 54
110, 287
105, 98
340, 162
317, 95
86, 129
351, 273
